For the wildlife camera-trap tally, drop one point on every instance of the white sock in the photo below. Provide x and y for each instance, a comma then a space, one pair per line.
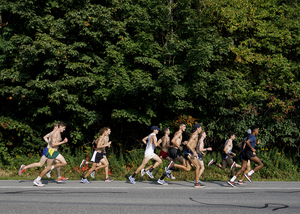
232, 179
38, 178
250, 173
52, 167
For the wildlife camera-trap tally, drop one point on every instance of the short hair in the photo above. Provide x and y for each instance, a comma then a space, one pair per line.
201, 133
230, 134
55, 124
101, 131
61, 123
254, 127
181, 124
165, 130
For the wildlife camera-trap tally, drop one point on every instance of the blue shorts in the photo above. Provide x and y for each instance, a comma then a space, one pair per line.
45, 152
200, 156
224, 156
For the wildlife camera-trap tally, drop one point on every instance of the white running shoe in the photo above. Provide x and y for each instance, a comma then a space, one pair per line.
21, 170
210, 162
168, 172
172, 177
93, 174
233, 166
38, 183
162, 182
143, 172
85, 181
150, 174
83, 162
131, 179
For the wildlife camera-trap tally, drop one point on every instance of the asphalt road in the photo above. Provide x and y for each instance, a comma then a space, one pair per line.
148, 197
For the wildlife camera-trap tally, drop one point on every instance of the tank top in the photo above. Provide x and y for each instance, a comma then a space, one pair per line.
150, 147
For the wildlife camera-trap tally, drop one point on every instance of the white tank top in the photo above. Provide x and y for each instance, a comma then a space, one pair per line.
150, 147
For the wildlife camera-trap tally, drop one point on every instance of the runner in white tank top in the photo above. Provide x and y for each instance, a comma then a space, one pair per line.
149, 154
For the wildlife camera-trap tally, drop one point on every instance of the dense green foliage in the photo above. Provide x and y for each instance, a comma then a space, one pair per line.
129, 64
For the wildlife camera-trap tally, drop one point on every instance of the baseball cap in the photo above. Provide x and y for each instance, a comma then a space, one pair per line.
196, 127
154, 128
249, 131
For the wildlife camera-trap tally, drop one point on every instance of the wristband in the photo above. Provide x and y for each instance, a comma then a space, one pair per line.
252, 149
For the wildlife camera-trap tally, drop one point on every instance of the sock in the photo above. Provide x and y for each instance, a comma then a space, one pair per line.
52, 167
233, 179
163, 176
133, 175
250, 173
151, 169
38, 178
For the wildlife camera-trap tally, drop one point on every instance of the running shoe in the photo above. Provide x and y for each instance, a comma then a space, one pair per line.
131, 179
171, 164
38, 183
162, 182
198, 185
241, 182
248, 177
143, 172
61, 179
172, 177
231, 183
83, 162
150, 174
93, 174
108, 179
200, 182
85, 181
21, 170
168, 172
210, 162
233, 166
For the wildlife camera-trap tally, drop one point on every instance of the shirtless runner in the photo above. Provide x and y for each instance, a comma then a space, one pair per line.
200, 149
191, 156
52, 153
227, 155
149, 154
99, 153
43, 159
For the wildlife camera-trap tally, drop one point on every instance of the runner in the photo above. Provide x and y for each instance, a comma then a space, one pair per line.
149, 154
174, 153
52, 153
99, 153
43, 158
249, 154
242, 145
227, 155
191, 156
200, 149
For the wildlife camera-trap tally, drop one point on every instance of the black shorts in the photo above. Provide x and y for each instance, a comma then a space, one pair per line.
97, 157
247, 155
173, 153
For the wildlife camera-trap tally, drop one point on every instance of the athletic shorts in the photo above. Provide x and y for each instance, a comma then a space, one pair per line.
173, 153
163, 154
186, 153
224, 156
45, 152
51, 153
200, 156
247, 155
97, 157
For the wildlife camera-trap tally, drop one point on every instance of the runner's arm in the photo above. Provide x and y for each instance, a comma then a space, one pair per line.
54, 141
144, 139
248, 143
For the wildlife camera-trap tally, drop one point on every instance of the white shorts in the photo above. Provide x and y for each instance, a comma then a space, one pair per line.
149, 154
